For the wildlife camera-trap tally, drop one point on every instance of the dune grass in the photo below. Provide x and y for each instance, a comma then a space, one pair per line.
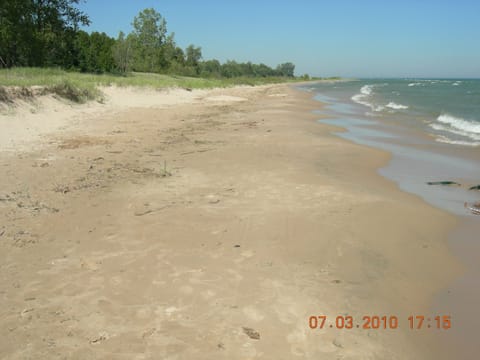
80, 87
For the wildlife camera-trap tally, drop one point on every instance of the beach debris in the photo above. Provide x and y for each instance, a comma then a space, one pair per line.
141, 213
7, 198
149, 211
148, 333
101, 337
24, 238
237, 246
476, 187
251, 333
212, 199
337, 343
60, 188
26, 311
36, 206
474, 208
443, 183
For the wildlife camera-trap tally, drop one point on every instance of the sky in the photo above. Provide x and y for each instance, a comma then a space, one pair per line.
348, 38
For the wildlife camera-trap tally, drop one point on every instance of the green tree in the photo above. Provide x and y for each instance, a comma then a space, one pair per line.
94, 52
286, 69
39, 32
149, 35
122, 52
16, 32
262, 70
193, 55
173, 56
247, 69
231, 69
211, 68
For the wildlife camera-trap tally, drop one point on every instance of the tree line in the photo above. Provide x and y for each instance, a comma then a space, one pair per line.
46, 33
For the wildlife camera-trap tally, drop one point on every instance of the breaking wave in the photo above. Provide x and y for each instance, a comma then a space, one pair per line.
365, 94
468, 130
459, 123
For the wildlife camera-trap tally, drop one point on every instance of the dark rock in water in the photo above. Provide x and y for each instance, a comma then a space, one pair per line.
443, 183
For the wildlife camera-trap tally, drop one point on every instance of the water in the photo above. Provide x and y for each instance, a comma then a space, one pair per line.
432, 130
431, 127
447, 110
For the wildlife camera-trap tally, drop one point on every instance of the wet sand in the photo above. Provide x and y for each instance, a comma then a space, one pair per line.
211, 227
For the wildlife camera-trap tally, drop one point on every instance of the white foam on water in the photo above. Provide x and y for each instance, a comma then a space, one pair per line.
367, 89
395, 106
466, 134
444, 139
362, 98
459, 123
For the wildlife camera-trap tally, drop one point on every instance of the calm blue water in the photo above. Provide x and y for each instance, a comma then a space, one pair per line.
449, 110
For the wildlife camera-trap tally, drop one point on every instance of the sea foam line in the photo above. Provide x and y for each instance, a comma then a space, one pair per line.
440, 127
444, 139
396, 106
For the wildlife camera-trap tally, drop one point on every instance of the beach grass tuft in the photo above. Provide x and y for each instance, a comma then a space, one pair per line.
76, 93
3, 95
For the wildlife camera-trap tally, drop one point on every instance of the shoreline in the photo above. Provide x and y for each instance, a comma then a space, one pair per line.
459, 297
154, 232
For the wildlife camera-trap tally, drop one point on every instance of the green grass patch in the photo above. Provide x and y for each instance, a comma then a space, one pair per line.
81, 87
52, 77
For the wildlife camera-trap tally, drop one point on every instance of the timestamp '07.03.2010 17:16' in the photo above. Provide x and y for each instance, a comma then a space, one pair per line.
413, 322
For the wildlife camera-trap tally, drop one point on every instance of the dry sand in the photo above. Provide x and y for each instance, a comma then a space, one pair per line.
206, 225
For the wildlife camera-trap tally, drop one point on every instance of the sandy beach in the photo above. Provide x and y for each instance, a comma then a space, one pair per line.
207, 224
